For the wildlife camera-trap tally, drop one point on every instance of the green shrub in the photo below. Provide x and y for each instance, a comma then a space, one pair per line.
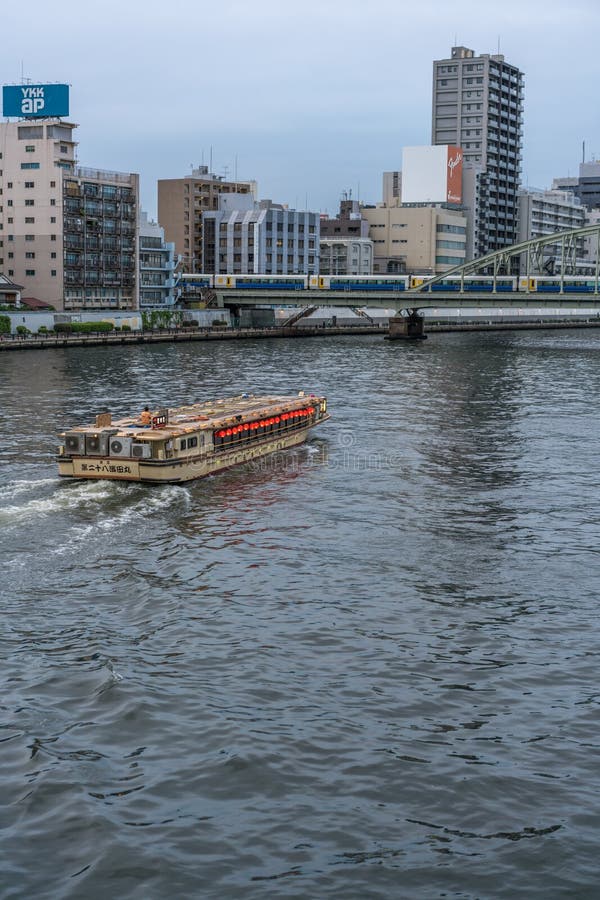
91, 327
4, 325
125, 328
63, 327
42, 330
22, 329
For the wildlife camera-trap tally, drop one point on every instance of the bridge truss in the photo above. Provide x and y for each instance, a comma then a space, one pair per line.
533, 260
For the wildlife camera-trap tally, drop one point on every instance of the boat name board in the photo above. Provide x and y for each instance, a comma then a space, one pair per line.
98, 467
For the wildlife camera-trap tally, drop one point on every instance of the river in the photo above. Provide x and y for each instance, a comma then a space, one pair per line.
365, 668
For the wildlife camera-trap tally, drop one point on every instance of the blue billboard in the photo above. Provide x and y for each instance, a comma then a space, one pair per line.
35, 101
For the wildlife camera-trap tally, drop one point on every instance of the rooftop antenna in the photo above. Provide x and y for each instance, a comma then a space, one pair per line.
583, 154
210, 162
498, 45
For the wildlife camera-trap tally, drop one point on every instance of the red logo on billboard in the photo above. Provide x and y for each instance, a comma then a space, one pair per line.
454, 179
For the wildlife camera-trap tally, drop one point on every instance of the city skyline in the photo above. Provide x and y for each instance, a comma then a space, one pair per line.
310, 103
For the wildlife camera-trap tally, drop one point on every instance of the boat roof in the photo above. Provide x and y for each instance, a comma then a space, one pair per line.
206, 414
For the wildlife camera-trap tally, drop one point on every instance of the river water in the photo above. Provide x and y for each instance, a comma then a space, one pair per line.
367, 668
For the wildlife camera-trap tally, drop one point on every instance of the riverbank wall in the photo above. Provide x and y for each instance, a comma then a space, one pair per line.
183, 335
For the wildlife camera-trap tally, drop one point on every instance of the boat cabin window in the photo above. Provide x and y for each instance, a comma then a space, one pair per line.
182, 444
193, 442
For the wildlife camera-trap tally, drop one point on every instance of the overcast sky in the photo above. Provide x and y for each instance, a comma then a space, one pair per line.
310, 99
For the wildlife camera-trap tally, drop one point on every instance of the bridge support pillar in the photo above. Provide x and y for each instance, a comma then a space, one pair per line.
406, 328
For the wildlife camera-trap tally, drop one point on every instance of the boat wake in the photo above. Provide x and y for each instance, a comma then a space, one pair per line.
100, 504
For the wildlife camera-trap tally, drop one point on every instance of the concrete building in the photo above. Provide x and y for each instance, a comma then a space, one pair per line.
346, 256
392, 188
586, 186
68, 233
592, 217
542, 213
244, 236
478, 105
182, 203
420, 239
157, 267
345, 247
348, 223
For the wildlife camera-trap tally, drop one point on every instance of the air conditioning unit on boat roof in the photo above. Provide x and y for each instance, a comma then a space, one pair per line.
120, 446
141, 451
96, 444
75, 443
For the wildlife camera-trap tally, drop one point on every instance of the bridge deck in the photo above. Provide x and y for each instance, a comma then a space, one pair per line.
409, 299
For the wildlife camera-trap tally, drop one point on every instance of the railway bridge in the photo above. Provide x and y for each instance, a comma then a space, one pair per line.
452, 290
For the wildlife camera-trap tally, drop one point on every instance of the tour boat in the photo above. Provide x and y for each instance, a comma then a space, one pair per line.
189, 441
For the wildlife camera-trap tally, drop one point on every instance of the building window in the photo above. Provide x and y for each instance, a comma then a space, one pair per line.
52, 220
53, 272
29, 220
30, 203
30, 237
52, 184
29, 184
10, 220
11, 272
52, 202
53, 255
30, 256
52, 237
9, 184
9, 203
30, 273
29, 148
30, 165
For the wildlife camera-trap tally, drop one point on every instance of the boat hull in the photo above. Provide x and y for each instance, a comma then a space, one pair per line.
175, 471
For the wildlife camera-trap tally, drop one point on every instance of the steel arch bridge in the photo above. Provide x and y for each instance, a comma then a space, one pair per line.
431, 292
531, 258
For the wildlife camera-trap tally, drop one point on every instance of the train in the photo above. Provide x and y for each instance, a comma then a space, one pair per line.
578, 284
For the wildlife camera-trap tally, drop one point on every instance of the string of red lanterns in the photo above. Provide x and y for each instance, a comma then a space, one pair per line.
264, 423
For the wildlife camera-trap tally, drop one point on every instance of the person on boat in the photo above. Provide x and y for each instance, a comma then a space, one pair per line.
146, 417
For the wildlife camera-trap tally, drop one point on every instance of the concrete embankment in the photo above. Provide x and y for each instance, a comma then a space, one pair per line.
49, 341
46, 341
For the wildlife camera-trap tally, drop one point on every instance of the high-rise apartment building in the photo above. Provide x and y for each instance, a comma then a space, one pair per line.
181, 205
478, 105
67, 234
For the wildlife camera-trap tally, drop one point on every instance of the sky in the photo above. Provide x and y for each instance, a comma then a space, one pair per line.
313, 100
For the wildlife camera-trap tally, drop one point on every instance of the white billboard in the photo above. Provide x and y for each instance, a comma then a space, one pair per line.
432, 174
